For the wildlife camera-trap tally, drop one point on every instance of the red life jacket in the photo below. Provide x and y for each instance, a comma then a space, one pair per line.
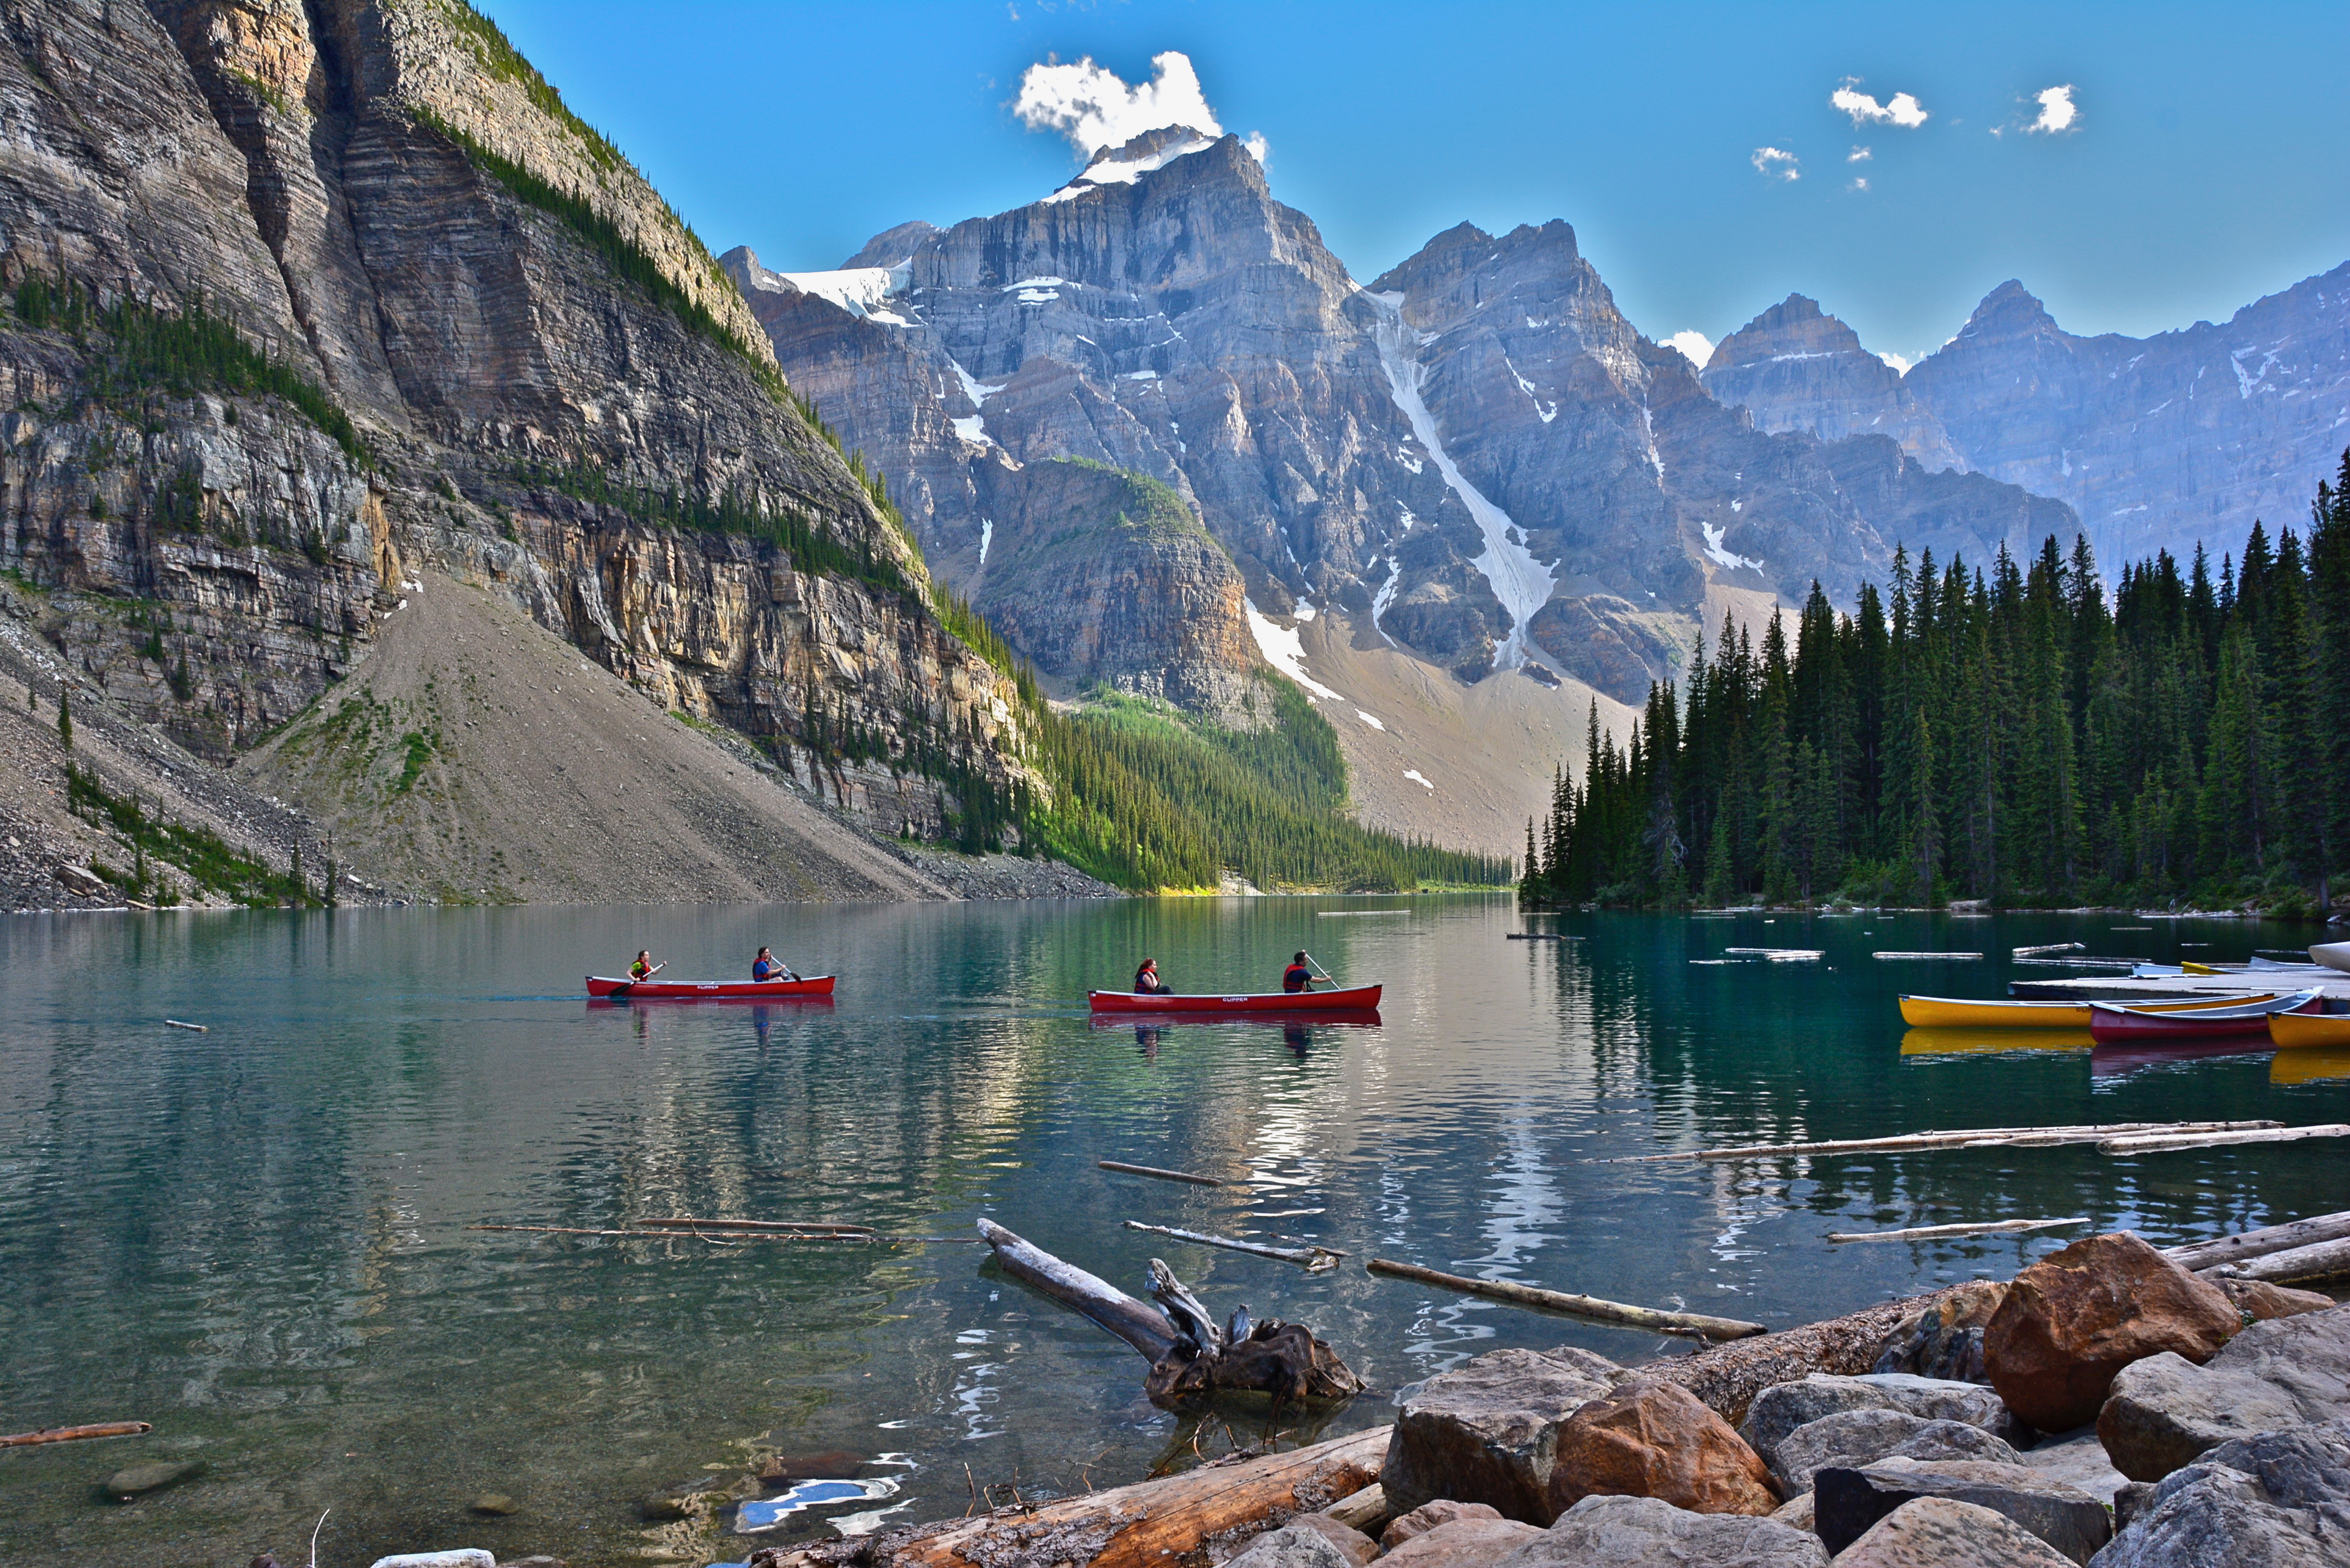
1297, 977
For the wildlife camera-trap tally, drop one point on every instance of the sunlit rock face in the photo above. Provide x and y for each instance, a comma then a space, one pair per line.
347, 183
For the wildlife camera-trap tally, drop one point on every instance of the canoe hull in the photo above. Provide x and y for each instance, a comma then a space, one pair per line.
600, 985
2129, 1025
2306, 1029
1353, 999
1958, 1013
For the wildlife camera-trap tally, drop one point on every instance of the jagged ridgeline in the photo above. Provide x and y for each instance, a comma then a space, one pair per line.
2010, 735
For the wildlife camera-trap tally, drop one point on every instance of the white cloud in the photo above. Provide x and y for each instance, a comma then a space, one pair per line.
1900, 366
1858, 155
1258, 147
1860, 183
2058, 112
1776, 163
1094, 107
1694, 346
1903, 110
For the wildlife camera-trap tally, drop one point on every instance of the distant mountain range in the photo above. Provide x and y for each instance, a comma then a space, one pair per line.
2156, 443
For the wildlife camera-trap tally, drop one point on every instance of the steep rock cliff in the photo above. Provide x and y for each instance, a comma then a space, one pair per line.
555, 389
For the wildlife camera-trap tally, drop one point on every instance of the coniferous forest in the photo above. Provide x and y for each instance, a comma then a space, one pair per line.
2006, 732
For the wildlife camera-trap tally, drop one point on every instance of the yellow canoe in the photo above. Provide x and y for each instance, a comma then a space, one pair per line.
2309, 1028
1954, 1012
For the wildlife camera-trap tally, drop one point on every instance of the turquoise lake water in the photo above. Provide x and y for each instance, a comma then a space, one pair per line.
256, 1238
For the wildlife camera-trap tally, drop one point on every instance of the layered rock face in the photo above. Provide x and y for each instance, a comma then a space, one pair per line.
1476, 455
545, 368
2156, 443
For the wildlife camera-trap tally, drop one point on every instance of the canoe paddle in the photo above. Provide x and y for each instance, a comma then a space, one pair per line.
1324, 973
623, 990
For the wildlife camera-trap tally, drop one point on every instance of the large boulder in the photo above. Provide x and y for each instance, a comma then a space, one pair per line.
2166, 1411
1352, 1543
1943, 1338
2281, 1499
1648, 1533
2261, 1301
1857, 1437
2075, 1318
1848, 1502
1464, 1544
1778, 1411
1428, 1516
1297, 1544
1487, 1431
1943, 1532
1651, 1439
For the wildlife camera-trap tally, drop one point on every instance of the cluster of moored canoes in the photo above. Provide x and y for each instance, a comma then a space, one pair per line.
2295, 1017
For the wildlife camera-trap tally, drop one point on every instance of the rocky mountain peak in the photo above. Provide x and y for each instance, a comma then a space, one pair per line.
892, 245
1794, 327
2006, 312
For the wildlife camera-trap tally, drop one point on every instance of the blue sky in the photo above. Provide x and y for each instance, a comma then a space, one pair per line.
2208, 164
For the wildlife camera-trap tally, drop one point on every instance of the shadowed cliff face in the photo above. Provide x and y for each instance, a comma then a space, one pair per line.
538, 354
1442, 454
2156, 443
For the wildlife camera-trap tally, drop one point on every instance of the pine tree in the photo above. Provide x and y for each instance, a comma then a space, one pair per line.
65, 719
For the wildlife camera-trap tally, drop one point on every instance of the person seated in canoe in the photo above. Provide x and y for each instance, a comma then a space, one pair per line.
767, 966
1147, 982
644, 967
1297, 976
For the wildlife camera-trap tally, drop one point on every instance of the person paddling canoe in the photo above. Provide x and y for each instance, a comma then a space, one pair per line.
1297, 976
1147, 982
644, 967
766, 966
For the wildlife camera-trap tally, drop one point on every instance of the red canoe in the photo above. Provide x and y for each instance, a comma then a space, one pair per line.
2116, 1025
1355, 998
710, 990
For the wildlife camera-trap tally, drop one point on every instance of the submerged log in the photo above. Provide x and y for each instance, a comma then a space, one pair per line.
1156, 1174
2248, 1245
1193, 1359
1928, 1232
1971, 1137
1315, 1258
2157, 1143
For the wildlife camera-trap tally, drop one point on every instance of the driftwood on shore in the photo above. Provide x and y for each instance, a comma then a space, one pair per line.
2298, 1265
1929, 1232
1726, 1377
1964, 1138
1692, 1325
2249, 1244
76, 1434
1193, 1358
1151, 1525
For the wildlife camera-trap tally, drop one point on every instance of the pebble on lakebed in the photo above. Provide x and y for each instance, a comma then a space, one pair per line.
140, 1480
495, 1505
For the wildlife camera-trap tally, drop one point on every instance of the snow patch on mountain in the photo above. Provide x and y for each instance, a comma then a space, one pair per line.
1720, 556
1284, 650
1522, 584
861, 291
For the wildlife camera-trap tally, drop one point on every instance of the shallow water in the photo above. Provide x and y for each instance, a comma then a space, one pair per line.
256, 1238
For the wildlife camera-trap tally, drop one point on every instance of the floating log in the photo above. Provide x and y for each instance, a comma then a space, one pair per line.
1152, 1170
76, 1434
1156, 1523
813, 1227
1969, 1137
2249, 1244
2046, 948
1314, 1259
1927, 1232
2155, 1143
1692, 1325
641, 1235
1949, 957
1140, 1327
1541, 937
198, 1028
2298, 1265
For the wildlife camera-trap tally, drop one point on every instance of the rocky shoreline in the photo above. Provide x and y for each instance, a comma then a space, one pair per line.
2107, 1406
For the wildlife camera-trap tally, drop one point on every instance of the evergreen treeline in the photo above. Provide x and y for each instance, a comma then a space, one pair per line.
2012, 735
